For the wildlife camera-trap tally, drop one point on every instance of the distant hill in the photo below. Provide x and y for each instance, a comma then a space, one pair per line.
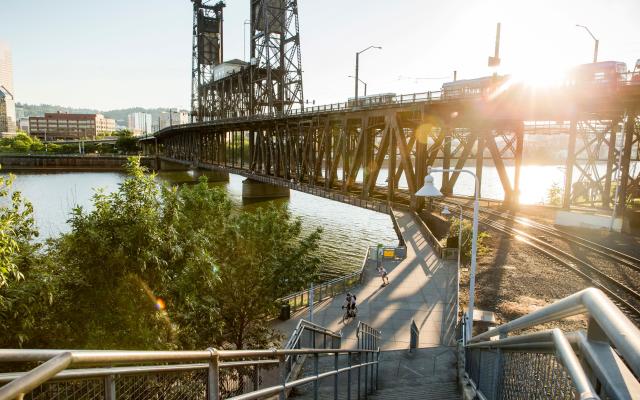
35, 110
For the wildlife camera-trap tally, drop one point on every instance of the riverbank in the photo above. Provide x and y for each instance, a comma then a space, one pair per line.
67, 162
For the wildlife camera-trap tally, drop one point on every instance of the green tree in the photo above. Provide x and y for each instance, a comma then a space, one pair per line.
467, 236
151, 267
554, 194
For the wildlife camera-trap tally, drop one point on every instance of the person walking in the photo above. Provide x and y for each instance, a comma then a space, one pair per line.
384, 275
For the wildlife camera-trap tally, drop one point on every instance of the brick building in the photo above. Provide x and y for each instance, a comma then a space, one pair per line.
70, 126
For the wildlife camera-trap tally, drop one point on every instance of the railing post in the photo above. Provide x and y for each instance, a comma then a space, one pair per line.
335, 377
283, 377
316, 371
213, 378
349, 376
377, 368
256, 378
359, 369
366, 375
110, 387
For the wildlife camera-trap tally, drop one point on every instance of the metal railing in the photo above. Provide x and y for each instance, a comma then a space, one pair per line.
207, 374
327, 289
552, 364
369, 339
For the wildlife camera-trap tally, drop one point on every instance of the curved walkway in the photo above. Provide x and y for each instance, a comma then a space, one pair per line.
422, 289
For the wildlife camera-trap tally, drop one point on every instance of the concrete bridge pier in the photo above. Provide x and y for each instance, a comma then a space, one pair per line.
252, 189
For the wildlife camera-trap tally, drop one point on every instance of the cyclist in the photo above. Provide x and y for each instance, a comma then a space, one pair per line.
350, 304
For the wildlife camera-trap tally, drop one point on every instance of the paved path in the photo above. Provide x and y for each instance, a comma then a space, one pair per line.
422, 288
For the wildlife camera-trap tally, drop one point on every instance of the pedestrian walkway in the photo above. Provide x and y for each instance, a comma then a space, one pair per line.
422, 289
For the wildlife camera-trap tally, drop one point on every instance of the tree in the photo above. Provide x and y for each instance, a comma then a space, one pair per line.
127, 144
158, 267
264, 258
467, 236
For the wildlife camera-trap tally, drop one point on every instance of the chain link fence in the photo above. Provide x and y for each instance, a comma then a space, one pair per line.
508, 375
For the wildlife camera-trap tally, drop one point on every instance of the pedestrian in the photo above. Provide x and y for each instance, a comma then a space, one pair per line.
383, 274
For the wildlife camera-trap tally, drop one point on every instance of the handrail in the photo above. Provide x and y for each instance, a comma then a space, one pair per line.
59, 360
619, 330
336, 282
563, 351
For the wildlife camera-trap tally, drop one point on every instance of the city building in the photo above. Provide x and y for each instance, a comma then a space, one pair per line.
70, 126
173, 117
6, 67
23, 124
140, 123
7, 100
7, 113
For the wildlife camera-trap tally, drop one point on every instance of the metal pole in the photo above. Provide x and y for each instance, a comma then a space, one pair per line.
357, 61
335, 377
214, 375
315, 372
365, 89
595, 51
311, 303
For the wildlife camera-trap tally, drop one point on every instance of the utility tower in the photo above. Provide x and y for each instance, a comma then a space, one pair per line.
207, 52
275, 57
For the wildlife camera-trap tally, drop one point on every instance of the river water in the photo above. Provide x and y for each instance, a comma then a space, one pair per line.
347, 230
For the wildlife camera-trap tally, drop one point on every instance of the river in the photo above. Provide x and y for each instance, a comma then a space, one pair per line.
347, 230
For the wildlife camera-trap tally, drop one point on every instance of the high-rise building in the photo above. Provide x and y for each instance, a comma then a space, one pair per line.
6, 67
7, 100
173, 117
140, 123
71, 126
7, 113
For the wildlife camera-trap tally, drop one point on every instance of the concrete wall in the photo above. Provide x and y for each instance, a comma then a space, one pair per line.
67, 162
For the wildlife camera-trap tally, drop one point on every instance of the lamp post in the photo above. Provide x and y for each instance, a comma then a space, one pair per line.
595, 47
244, 40
361, 81
429, 190
357, 65
446, 213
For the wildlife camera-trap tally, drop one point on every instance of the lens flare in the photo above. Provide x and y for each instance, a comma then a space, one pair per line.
160, 304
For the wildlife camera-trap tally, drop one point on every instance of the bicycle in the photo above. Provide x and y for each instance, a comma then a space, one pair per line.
348, 314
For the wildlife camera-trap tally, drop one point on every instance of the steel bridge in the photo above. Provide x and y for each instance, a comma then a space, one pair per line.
380, 151
250, 118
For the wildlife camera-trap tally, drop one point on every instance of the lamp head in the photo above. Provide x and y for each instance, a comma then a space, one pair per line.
429, 189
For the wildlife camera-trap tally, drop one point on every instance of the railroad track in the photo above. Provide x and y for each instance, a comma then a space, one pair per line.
619, 293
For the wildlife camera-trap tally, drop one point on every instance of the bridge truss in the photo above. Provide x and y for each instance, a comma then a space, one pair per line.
382, 152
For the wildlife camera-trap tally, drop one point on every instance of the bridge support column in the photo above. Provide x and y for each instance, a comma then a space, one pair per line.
480, 159
258, 190
571, 160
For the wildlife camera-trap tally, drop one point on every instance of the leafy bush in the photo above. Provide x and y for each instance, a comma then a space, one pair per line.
152, 267
467, 236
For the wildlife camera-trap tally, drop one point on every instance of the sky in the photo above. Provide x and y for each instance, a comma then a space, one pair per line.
126, 53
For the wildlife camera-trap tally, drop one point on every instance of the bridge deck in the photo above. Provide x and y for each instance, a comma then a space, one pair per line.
422, 288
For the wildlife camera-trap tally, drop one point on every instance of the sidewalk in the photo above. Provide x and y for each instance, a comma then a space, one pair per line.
422, 288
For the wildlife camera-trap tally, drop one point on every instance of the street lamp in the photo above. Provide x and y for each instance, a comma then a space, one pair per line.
357, 62
447, 213
595, 48
429, 190
244, 40
361, 81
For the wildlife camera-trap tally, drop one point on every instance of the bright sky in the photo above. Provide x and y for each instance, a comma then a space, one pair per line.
123, 53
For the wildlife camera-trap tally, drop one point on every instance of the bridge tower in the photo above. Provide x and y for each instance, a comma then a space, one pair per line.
275, 57
207, 46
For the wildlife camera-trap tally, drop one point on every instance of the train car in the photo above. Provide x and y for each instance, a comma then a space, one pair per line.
471, 88
372, 100
604, 75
